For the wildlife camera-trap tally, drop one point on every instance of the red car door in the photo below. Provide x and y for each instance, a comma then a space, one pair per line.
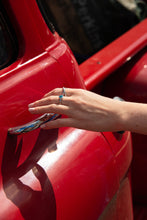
55, 174
120, 70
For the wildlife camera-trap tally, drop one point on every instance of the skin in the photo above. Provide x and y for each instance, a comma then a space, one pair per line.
86, 110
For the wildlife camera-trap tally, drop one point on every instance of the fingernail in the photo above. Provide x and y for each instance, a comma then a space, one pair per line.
31, 104
31, 109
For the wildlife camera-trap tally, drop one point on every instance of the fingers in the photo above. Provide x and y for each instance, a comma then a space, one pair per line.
59, 91
49, 100
53, 97
44, 101
53, 108
61, 122
52, 102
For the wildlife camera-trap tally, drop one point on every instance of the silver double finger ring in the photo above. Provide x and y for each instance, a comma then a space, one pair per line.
63, 91
61, 96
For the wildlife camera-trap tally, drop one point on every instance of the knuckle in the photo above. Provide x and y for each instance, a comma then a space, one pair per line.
36, 110
50, 99
72, 100
78, 101
54, 91
52, 107
57, 90
79, 91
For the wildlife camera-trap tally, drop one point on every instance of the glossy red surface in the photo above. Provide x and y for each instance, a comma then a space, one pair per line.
132, 83
120, 206
129, 53
103, 63
121, 147
63, 173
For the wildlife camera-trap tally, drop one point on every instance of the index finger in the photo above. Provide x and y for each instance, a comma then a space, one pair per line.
60, 91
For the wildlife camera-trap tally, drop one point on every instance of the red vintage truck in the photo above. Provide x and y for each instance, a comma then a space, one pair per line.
67, 173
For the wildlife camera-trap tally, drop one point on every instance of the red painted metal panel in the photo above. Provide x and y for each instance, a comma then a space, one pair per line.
128, 82
121, 145
120, 206
85, 157
57, 174
103, 63
132, 86
31, 30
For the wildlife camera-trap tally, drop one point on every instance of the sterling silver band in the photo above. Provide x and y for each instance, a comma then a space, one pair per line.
63, 91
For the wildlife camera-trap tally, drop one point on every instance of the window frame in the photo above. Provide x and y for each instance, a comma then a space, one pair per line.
11, 44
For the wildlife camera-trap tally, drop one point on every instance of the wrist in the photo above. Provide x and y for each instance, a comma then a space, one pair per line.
133, 117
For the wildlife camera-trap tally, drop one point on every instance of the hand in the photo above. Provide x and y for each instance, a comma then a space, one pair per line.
84, 110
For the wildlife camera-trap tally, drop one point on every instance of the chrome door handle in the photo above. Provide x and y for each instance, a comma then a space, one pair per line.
33, 124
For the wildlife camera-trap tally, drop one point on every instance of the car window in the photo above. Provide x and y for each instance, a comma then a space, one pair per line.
88, 26
8, 44
46, 12
62, 14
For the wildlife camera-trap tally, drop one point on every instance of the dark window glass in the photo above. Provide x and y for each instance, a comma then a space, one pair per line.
8, 45
46, 12
87, 25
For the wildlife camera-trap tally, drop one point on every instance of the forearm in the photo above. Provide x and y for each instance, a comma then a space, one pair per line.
134, 117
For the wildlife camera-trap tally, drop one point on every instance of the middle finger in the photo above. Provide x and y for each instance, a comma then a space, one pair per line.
60, 91
50, 100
